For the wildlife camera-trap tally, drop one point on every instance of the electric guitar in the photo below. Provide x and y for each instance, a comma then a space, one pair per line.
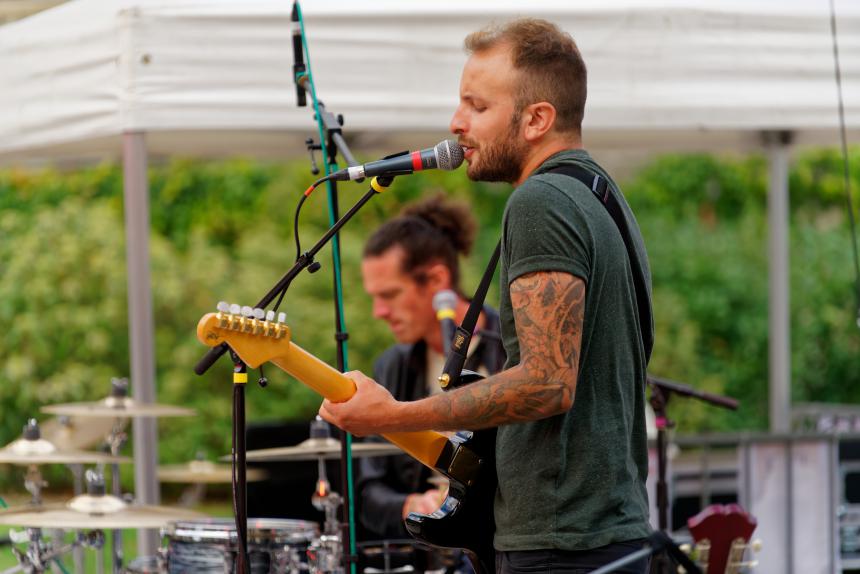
465, 518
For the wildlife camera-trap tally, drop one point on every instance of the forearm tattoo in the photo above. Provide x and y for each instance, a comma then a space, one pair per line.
549, 308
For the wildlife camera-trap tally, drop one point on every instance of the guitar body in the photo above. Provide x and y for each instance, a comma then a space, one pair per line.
465, 519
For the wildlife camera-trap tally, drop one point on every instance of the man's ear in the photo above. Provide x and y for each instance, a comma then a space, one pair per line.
438, 277
537, 120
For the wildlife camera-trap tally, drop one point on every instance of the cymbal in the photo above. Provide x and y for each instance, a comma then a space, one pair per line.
204, 472
72, 433
117, 407
40, 451
86, 512
316, 448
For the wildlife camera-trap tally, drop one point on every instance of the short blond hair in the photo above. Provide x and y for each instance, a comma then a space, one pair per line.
552, 67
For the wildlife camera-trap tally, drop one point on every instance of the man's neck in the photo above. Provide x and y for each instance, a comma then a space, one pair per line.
543, 151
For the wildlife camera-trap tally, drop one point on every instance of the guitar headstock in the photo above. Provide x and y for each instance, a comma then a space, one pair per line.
725, 532
256, 335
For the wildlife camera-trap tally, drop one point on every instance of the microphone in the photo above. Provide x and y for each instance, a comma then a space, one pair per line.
447, 155
298, 57
444, 302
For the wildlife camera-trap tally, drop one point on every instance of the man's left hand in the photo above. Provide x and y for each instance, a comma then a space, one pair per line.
368, 411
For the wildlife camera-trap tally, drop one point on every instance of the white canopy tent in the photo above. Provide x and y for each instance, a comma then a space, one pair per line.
140, 78
213, 77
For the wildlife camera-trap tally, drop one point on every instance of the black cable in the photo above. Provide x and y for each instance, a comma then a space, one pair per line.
296, 226
845, 165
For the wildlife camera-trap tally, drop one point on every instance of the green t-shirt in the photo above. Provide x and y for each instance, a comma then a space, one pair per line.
576, 481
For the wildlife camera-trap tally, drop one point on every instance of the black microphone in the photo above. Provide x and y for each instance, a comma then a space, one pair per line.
445, 155
445, 303
298, 57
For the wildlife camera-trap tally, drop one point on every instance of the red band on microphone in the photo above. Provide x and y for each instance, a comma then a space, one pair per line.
416, 161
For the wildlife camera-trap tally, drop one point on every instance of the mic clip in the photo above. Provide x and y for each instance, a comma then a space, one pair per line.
309, 143
450, 377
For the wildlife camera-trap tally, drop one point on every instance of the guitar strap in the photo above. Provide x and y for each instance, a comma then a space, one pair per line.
463, 335
601, 190
600, 187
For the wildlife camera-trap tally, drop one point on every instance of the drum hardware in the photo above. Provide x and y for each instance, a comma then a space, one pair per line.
40, 553
119, 407
204, 472
32, 450
125, 516
75, 433
200, 473
317, 448
326, 551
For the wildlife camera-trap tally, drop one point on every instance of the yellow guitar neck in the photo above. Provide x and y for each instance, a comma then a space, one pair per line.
424, 446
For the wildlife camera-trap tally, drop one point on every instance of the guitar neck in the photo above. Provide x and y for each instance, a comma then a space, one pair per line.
424, 446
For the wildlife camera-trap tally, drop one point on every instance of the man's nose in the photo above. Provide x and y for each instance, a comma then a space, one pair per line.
458, 122
380, 310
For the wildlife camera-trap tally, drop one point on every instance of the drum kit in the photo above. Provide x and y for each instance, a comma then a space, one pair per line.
191, 542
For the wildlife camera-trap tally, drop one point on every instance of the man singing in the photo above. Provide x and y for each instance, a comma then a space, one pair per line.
571, 454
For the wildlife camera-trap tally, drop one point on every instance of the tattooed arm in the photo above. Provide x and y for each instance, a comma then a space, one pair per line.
548, 312
549, 308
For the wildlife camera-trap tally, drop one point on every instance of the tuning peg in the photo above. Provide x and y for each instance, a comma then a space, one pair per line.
235, 309
282, 317
270, 315
223, 306
259, 314
247, 311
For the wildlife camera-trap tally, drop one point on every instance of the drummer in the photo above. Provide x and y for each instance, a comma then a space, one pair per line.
406, 262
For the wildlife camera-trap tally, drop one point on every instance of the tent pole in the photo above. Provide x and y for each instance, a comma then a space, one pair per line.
140, 325
778, 146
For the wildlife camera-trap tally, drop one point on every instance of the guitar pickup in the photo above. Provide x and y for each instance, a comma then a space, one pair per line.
464, 465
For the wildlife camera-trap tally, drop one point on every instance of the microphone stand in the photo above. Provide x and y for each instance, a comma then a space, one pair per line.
305, 261
661, 392
331, 133
332, 125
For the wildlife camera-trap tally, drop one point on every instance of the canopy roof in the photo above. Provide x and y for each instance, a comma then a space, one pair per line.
214, 77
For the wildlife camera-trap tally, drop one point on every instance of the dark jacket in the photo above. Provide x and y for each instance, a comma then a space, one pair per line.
385, 482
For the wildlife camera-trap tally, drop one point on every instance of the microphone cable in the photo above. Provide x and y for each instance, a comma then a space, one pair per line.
846, 169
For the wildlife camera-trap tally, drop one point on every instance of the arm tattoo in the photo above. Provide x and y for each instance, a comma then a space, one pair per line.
549, 309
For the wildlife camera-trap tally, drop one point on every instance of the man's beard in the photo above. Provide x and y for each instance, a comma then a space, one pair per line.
501, 160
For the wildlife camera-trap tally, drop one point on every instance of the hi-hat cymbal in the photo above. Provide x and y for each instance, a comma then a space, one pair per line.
316, 448
73, 433
40, 451
117, 407
204, 472
87, 512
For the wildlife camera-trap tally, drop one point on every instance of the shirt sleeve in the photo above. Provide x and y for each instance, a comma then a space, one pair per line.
545, 230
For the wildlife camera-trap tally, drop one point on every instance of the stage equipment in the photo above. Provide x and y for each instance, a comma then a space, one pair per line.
210, 546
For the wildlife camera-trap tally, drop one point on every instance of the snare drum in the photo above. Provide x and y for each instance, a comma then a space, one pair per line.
211, 546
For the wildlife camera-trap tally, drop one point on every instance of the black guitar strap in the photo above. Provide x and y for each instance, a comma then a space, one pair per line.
600, 187
463, 335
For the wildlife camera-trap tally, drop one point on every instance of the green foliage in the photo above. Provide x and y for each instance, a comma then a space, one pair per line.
224, 231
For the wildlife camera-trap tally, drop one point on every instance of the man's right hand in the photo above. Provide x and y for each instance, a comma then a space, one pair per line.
425, 503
